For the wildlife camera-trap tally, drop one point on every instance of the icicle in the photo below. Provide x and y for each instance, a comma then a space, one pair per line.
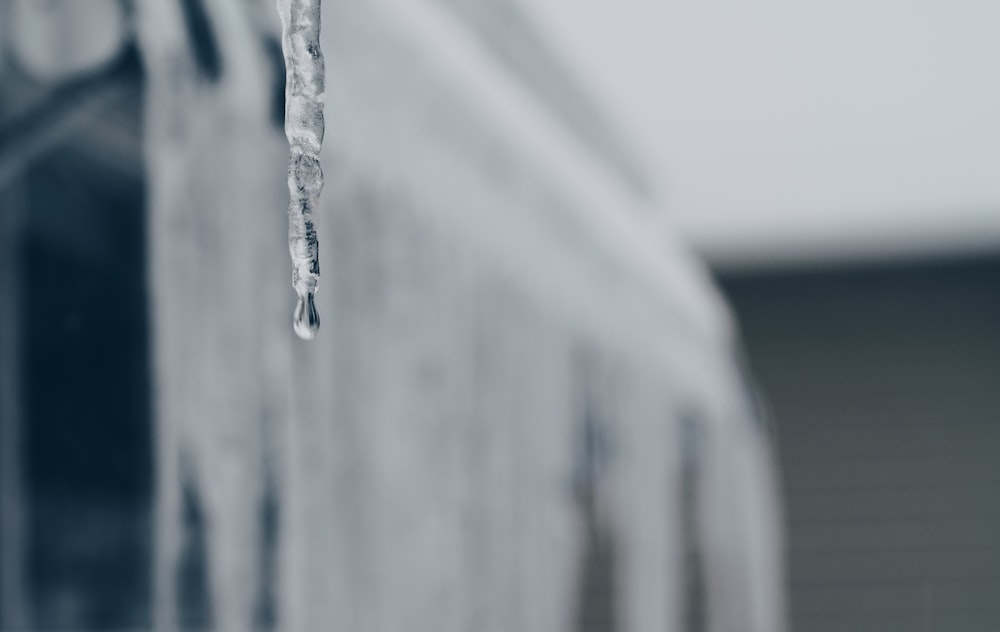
304, 100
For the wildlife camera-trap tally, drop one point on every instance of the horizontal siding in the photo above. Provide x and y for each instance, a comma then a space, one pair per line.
916, 622
973, 500
950, 563
877, 440
823, 474
892, 534
898, 597
885, 384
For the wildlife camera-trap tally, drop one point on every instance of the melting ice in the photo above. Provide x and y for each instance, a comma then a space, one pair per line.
304, 99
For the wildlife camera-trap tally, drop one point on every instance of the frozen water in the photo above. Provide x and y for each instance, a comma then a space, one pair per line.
493, 430
304, 126
306, 318
54, 41
217, 261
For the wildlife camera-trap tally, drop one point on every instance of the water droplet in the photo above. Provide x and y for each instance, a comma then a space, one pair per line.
306, 319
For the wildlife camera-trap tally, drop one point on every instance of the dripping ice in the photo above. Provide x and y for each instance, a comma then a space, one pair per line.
304, 126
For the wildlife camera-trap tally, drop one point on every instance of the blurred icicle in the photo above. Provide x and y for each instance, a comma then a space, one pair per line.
14, 614
304, 126
59, 39
424, 456
65, 110
215, 175
739, 517
4, 36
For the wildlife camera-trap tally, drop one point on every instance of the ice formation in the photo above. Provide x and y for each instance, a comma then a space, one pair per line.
493, 429
304, 99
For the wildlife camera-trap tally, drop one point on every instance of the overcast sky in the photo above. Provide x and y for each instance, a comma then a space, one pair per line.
783, 128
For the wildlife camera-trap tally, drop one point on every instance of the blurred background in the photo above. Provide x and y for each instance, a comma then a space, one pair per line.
830, 169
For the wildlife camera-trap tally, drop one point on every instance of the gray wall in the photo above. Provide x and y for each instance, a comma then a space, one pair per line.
884, 385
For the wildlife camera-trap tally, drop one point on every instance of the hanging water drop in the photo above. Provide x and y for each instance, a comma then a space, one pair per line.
306, 318
305, 96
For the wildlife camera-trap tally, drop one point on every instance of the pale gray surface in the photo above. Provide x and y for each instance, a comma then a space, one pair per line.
783, 130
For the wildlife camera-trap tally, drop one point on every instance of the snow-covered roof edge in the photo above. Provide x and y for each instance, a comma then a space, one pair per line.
517, 42
617, 215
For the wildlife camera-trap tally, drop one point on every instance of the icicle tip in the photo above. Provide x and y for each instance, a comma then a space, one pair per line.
306, 319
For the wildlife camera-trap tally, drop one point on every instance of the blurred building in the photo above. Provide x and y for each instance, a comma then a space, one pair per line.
524, 411
836, 162
882, 378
